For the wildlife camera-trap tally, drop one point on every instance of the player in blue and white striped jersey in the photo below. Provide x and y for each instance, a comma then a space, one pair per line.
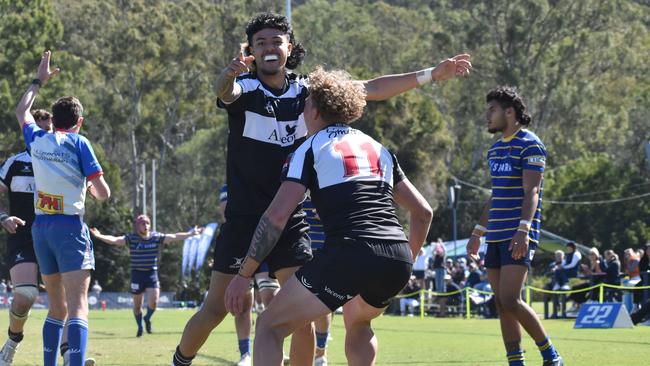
144, 247
511, 221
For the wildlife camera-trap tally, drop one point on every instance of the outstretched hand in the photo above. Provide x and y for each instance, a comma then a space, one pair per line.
239, 65
196, 231
44, 74
458, 65
94, 231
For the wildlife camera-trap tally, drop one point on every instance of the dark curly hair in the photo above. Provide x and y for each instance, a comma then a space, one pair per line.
507, 97
279, 22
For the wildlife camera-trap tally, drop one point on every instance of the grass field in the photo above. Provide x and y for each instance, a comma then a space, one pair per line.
402, 341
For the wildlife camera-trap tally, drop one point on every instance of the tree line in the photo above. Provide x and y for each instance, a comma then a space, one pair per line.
145, 71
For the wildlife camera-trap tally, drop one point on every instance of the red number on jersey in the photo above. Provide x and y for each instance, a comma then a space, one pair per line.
350, 159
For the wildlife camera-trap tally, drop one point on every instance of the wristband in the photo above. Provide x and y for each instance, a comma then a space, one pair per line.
3, 216
525, 222
480, 228
523, 230
424, 76
37, 81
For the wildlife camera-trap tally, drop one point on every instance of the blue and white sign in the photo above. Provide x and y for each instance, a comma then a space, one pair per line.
605, 315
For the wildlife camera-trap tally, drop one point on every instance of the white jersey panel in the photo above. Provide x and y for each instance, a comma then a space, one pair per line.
343, 154
61, 187
270, 130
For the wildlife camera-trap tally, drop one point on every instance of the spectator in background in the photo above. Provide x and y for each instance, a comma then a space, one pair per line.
612, 275
439, 257
474, 276
560, 277
644, 262
644, 272
96, 290
631, 262
487, 306
3, 286
419, 266
458, 273
572, 259
595, 270
410, 302
449, 300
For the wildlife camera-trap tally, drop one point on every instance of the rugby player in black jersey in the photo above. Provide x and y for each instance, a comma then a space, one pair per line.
265, 103
367, 259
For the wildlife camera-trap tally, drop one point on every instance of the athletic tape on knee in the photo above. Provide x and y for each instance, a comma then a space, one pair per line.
29, 291
16, 316
268, 285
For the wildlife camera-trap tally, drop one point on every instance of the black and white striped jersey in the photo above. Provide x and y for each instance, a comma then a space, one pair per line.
266, 125
351, 178
18, 176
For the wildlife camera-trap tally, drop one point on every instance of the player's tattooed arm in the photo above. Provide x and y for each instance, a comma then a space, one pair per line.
264, 240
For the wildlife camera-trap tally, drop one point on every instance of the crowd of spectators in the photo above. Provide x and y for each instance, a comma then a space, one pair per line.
608, 269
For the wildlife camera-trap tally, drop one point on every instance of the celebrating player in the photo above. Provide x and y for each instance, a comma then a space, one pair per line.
144, 246
511, 221
367, 259
265, 103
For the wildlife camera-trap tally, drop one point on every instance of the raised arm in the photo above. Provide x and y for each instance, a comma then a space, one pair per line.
43, 75
179, 237
108, 239
227, 88
387, 86
407, 196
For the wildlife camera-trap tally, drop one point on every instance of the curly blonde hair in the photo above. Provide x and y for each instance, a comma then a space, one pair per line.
337, 97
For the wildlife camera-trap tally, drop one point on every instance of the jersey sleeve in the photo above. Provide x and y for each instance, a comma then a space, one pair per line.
160, 238
30, 131
398, 174
240, 103
533, 157
4, 174
300, 166
89, 165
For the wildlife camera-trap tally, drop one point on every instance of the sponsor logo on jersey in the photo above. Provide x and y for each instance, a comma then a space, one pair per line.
288, 139
500, 167
19, 257
50, 203
26, 169
291, 130
305, 283
337, 295
537, 160
238, 262
269, 107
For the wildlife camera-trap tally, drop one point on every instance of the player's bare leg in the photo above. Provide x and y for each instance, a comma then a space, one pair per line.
303, 340
292, 308
360, 341
24, 277
198, 328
